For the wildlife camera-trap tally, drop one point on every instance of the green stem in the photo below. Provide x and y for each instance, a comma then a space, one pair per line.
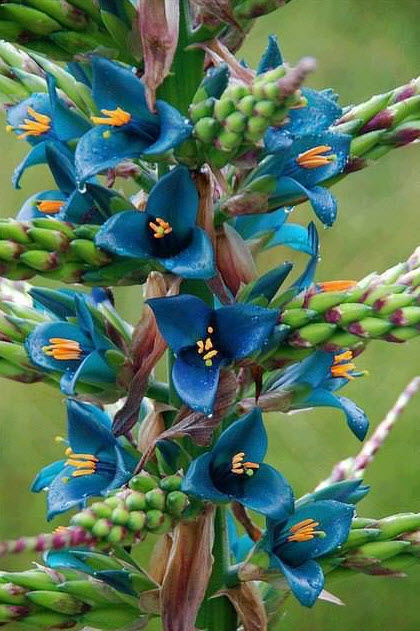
187, 69
219, 613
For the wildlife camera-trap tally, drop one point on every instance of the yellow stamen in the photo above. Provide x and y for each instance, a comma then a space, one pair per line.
80, 472
62, 349
339, 369
50, 206
114, 118
207, 345
337, 285
305, 531
240, 467
81, 464
160, 228
36, 126
313, 158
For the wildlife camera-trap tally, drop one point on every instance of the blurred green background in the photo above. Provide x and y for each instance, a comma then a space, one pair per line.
362, 48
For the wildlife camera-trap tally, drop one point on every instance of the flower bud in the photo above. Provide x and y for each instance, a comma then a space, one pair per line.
171, 483
120, 516
176, 503
86, 519
135, 501
206, 129
155, 499
136, 521
143, 482
101, 529
58, 602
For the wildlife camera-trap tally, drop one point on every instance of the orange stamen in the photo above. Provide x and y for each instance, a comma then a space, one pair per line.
313, 158
337, 285
305, 531
36, 126
340, 369
240, 467
50, 206
160, 228
62, 349
114, 118
207, 345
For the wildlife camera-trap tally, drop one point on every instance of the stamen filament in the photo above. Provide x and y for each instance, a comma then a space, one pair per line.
114, 118
38, 125
305, 531
62, 349
50, 206
313, 158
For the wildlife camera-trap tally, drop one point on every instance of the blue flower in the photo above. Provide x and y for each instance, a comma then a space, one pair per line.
166, 231
76, 350
347, 491
95, 461
127, 128
315, 381
296, 167
314, 530
43, 118
92, 205
233, 471
206, 339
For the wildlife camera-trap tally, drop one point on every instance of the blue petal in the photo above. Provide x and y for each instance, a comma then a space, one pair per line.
334, 520
67, 123
242, 329
174, 129
46, 476
308, 274
340, 147
247, 434
126, 234
116, 86
312, 370
348, 491
182, 319
59, 301
197, 481
60, 163
269, 284
242, 547
93, 369
272, 57
64, 494
322, 201
95, 153
81, 209
319, 113
16, 115
41, 336
175, 199
268, 492
196, 383
356, 418
34, 157
306, 581
30, 210
65, 559
250, 226
89, 431
196, 260
292, 236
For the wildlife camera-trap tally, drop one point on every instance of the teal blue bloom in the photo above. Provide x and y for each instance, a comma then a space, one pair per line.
95, 461
166, 231
77, 350
271, 58
92, 205
127, 128
40, 119
347, 491
315, 381
297, 167
233, 471
314, 530
206, 339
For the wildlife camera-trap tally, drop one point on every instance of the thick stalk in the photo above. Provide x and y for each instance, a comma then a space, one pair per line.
218, 613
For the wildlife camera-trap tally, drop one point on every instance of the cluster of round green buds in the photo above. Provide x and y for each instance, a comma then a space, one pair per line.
149, 504
243, 113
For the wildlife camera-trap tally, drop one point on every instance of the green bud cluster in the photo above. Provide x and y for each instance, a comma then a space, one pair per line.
149, 504
227, 126
384, 546
385, 307
66, 598
63, 29
62, 252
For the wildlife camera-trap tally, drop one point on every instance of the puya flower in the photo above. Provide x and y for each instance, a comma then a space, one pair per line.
165, 231
77, 350
313, 382
233, 471
314, 530
95, 461
204, 340
41, 119
295, 169
93, 204
126, 128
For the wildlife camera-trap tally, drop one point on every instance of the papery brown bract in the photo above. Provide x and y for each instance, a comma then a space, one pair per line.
248, 604
234, 259
188, 572
159, 26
